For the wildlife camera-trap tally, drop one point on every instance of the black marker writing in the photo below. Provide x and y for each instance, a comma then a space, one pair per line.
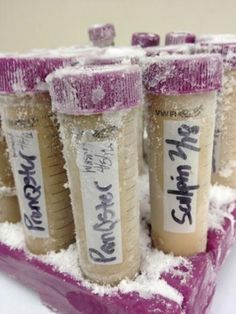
184, 192
105, 225
186, 143
32, 192
87, 160
97, 162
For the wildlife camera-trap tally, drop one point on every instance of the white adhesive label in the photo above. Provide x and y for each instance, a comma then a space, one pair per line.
99, 178
181, 158
25, 154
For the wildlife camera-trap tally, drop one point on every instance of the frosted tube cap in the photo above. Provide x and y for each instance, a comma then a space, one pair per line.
216, 37
27, 73
169, 50
114, 55
102, 33
177, 74
145, 39
222, 45
230, 56
175, 38
96, 89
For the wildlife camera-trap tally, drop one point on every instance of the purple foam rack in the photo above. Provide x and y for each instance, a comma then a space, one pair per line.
67, 295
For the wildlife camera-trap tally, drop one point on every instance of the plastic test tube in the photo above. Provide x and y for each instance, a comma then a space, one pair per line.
97, 109
36, 151
176, 38
181, 96
224, 153
145, 40
102, 35
9, 207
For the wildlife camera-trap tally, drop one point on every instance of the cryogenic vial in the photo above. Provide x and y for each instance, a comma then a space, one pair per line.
181, 98
35, 151
97, 110
102, 35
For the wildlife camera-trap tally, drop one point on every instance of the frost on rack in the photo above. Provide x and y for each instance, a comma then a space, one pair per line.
161, 274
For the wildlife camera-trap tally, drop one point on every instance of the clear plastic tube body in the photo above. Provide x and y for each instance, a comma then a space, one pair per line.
9, 207
224, 152
102, 162
180, 130
35, 149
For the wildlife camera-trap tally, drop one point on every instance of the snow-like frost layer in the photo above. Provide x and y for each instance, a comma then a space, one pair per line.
153, 262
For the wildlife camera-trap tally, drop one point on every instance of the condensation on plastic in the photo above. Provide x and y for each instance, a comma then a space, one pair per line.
9, 207
120, 127
180, 130
33, 112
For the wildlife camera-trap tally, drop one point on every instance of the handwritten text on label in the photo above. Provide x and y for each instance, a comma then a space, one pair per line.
29, 181
182, 154
99, 176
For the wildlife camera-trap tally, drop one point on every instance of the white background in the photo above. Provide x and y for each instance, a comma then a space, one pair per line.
28, 24
16, 299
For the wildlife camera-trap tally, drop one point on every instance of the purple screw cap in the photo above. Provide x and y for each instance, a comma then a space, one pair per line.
175, 38
145, 39
215, 43
230, 56
221, 44
27, 73
102, 35
182, 74
96, 89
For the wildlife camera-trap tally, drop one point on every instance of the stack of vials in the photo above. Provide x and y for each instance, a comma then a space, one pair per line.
80, 124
